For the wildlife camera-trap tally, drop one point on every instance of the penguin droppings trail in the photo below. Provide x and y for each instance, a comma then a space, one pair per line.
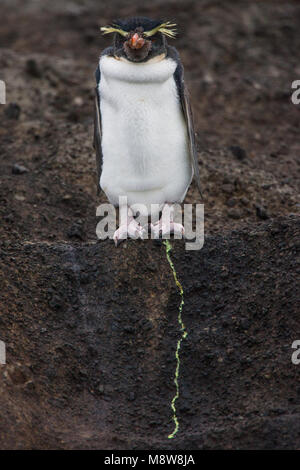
184, 335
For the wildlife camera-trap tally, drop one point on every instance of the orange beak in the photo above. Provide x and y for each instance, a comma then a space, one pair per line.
136, 42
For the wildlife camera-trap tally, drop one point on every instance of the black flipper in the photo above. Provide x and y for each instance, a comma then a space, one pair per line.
187, 112
97, 138
97, 123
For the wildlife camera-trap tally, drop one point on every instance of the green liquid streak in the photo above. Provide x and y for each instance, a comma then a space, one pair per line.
184, 335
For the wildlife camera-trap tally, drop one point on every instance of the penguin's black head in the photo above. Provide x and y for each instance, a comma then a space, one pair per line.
140, 39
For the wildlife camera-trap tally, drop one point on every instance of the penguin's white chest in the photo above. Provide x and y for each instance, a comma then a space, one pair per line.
144, 135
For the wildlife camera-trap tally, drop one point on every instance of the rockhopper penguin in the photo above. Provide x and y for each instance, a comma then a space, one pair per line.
144, 134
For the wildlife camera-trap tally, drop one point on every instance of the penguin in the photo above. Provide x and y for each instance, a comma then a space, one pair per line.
143, 129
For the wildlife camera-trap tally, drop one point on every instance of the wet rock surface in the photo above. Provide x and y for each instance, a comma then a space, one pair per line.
91, 335
91, 330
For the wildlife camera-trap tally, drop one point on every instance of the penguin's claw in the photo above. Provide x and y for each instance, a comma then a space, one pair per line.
132, 230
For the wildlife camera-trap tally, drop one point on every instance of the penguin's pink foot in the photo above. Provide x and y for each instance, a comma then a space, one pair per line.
132, 230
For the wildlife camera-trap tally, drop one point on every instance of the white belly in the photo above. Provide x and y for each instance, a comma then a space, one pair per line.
144, 135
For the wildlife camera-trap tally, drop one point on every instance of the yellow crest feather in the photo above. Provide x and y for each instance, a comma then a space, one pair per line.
113, 29
164, 28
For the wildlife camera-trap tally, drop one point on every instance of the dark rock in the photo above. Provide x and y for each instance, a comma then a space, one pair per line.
12, 111
56, 302
227, 180
231, 202
19, 169
238, 152
9, 217
76, 230
74, 115
262, 213
245, 201
84, 278
151, 268
33, 69
234, 213
128, 329
228, 188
